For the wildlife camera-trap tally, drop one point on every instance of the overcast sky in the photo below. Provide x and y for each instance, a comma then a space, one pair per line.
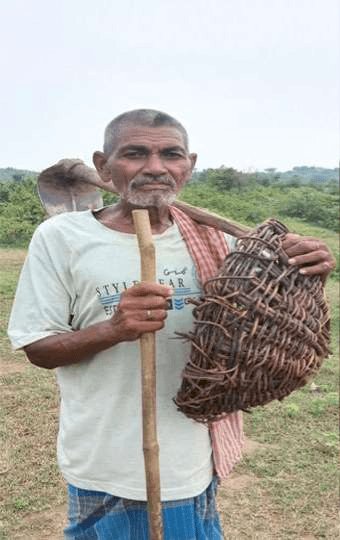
255, 82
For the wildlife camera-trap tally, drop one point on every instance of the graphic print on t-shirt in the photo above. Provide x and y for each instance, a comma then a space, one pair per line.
178, 278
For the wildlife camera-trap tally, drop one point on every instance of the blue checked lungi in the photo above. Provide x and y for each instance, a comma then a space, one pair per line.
94, 515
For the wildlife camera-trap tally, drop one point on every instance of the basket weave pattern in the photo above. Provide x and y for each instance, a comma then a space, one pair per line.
261, 330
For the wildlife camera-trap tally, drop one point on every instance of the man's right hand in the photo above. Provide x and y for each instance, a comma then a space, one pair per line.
142, 308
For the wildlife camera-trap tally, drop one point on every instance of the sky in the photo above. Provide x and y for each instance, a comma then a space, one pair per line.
255, 82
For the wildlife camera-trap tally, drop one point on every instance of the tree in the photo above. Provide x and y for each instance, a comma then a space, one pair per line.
226, 178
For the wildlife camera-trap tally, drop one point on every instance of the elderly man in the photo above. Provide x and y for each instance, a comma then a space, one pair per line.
79, 308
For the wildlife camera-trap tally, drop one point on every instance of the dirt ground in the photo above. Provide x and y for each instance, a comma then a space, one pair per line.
49, 524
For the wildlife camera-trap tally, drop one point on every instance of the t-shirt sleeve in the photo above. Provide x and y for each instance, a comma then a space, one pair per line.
43, 299
231, 241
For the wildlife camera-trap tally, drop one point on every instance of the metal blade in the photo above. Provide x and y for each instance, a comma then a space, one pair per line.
61, 192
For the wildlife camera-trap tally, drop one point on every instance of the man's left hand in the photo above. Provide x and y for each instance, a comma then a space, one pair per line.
310, 254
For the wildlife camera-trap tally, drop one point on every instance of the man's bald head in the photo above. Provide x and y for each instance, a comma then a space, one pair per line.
139, 117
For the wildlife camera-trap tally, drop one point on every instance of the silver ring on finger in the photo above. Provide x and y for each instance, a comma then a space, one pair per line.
149, 316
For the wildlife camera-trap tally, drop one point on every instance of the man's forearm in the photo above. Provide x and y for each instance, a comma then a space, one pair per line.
129, 322
72, 347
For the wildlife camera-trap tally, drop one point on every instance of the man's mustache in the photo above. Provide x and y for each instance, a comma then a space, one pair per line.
139, 182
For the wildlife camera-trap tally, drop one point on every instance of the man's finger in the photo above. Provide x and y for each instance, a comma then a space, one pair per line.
153, 315
134, 303
150, 326
143, 288
291, 239
305, 246
311, 257
323, 261
321, 269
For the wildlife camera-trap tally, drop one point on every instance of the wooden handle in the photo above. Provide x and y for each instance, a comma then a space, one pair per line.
148, 357
205, 217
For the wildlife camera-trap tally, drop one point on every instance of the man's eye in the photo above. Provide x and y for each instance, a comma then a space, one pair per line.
173, 155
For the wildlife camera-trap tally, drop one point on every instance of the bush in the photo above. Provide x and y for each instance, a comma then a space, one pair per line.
15, 233
313, 206
20, 212
257, 203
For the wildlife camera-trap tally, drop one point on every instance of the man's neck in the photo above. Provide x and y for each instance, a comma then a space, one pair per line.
119, 217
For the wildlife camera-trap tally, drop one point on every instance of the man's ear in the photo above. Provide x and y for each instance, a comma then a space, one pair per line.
100, 162
193, 159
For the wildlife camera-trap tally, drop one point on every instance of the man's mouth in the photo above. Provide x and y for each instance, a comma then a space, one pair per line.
144, 184
154, 185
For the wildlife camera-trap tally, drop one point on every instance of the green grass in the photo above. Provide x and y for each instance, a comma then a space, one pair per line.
291, 489
298, 469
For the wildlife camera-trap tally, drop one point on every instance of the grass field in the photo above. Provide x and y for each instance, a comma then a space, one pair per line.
285, 488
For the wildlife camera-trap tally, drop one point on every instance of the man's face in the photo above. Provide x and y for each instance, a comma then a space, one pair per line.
150, 165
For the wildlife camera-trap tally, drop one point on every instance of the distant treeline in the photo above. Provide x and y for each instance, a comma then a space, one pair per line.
228, 177
245, 197
299, 174
9, 174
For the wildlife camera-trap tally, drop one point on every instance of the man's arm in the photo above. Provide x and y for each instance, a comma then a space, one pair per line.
142, 309
130, 321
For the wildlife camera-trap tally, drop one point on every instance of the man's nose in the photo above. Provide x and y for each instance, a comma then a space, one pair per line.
154, 165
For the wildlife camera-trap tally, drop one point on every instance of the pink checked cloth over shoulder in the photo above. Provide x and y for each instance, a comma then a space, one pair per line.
208, 249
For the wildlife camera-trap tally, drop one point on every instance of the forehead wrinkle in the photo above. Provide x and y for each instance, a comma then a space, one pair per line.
133, 146
138, 135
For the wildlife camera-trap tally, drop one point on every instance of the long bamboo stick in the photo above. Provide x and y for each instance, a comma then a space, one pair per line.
148, 357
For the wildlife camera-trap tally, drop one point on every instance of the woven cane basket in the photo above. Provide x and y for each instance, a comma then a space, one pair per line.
261, 330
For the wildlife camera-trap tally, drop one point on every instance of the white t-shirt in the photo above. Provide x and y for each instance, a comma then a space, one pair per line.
78, 266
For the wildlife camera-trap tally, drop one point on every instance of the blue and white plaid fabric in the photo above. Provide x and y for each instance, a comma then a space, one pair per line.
94, 515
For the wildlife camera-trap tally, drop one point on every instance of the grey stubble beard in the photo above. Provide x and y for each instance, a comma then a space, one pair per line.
154, 198
151, 198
